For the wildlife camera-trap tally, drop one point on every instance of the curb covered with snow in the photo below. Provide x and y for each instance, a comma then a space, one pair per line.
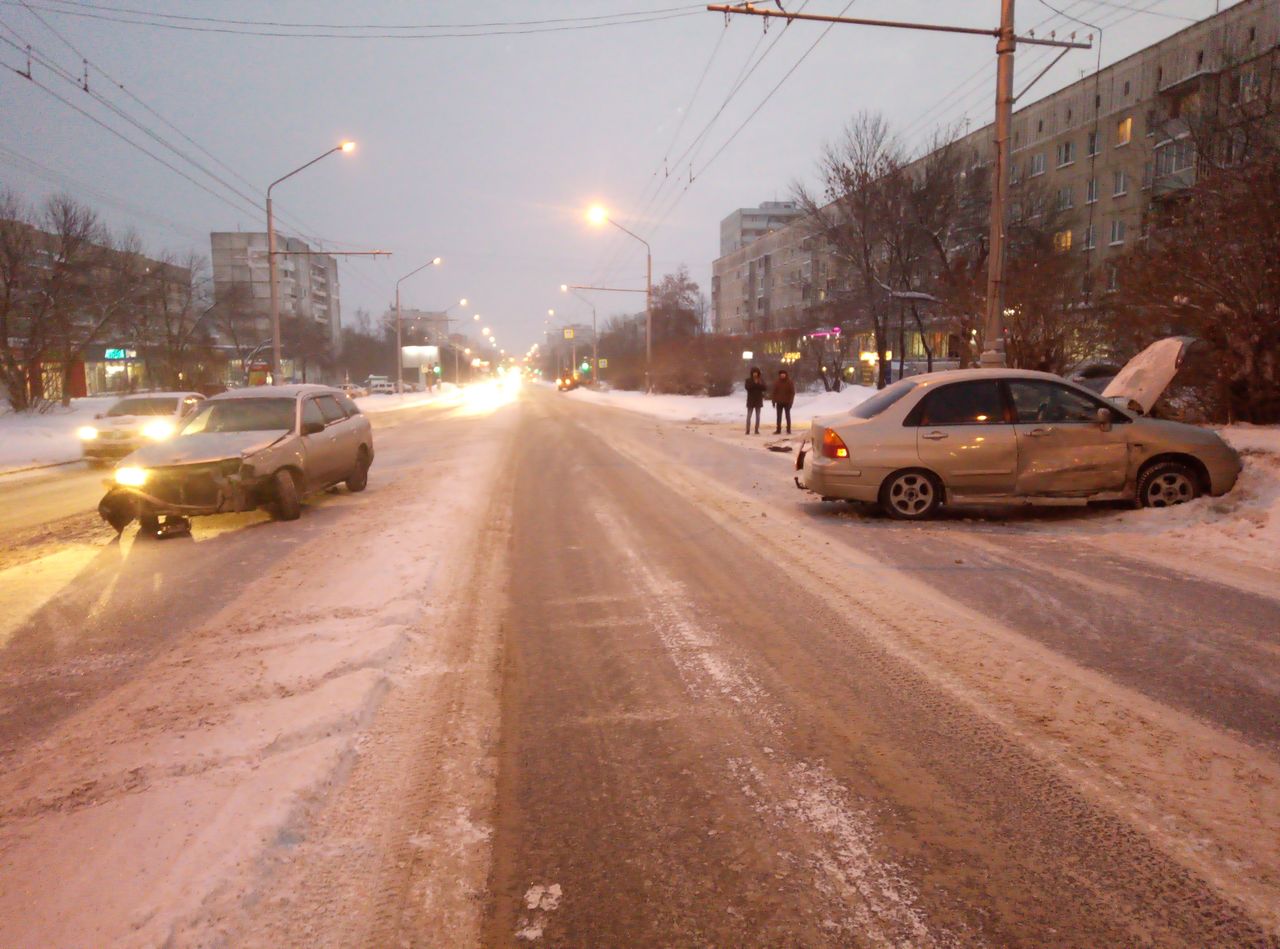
31, 440
729, 408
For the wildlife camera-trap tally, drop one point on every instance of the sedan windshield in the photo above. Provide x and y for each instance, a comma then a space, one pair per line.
144, 406
883, 399
242, 415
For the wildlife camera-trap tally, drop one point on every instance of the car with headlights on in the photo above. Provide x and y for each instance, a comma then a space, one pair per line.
134, 421
241, 450
989, 436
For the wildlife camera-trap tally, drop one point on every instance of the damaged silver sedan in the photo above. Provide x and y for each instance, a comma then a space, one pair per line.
267, 446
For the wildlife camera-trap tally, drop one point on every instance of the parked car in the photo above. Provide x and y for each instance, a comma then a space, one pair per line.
134, 421
382, 388
354, 391
566, 383
1008, 435
260, 446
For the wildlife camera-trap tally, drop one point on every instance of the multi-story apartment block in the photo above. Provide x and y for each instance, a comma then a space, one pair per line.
750, 224
1101, 153
308, 281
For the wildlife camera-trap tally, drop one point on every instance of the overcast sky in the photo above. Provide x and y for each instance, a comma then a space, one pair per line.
487, 149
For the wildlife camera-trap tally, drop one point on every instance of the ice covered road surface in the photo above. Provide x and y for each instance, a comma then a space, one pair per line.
568, 676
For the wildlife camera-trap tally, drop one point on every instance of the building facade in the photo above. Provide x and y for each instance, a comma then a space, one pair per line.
746, 225
1102, 153
308, 281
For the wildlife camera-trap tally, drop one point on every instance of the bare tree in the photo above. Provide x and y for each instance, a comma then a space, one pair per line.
855, 217
171, 327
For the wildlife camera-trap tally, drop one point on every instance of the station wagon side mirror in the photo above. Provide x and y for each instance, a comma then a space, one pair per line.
1105, 419
312, 428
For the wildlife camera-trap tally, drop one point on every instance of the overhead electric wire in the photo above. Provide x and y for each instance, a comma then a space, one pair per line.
321, 34
369, 26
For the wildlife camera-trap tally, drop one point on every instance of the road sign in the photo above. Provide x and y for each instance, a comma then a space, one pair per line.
568, 332
604, 364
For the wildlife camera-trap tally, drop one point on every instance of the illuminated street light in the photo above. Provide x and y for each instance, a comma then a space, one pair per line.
433, 262
597, 215
272, 279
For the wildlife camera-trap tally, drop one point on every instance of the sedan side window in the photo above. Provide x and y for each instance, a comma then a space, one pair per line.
964, 403
348, 406
330, 409
1042, 401
311, 414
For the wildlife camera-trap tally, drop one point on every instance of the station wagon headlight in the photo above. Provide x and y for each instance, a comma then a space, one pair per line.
158, 429
131, 476
86, 433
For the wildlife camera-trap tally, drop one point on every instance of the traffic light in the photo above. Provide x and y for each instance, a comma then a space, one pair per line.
436, 369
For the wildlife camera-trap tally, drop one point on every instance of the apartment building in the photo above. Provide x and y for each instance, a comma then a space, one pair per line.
746, 225
308, 281
1101, 153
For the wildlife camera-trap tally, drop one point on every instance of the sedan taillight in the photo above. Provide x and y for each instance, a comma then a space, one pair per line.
833, 445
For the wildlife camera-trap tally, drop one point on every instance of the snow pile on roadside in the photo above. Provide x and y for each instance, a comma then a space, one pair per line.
376, 404
1236, 536
729, 408
29, 439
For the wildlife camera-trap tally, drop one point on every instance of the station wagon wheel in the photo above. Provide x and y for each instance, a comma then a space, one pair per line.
287, 506
911, 495
1166, 484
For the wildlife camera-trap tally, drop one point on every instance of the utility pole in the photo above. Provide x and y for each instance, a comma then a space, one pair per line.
1006, 43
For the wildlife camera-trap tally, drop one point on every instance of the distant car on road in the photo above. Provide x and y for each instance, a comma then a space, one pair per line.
566, 383
1008, 435
353, 391
265, 445
382, 387
134, 421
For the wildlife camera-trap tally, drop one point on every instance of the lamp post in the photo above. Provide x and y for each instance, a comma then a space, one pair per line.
598, 215
433, 262
595, 335
272, 279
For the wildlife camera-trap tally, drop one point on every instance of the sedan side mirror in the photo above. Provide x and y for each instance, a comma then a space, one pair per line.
1105, 419
312, 428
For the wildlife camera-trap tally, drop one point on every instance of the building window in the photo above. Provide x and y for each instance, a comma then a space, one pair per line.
1126, 87
1093, 144
1117, 232
1175, 157
1091, 191
1066, 153
1040, 126
1066, 199
1199, 59
1087, 239
1159, 76
1062, 241
1120, 180
1037, 164
1124, 131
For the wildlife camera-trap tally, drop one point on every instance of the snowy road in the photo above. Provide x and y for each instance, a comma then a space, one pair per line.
566, 675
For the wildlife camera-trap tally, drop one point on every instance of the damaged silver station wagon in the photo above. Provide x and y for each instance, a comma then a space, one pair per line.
264, 446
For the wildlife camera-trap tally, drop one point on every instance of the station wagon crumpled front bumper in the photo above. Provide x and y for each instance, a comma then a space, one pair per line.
217, 487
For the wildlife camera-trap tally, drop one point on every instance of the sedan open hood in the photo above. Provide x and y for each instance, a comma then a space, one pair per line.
202, 447
1145, 377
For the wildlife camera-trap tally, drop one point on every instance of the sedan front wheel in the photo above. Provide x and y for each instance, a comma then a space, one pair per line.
911, 495
1167, 484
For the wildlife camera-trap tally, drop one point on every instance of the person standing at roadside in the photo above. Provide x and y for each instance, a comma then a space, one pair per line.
783, 397
755, 397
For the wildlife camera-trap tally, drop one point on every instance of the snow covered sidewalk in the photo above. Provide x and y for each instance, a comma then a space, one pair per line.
29, 440
729, 408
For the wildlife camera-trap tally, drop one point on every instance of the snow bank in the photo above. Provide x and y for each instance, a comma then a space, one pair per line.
375, 404
729, 408
28, 440
1234, 538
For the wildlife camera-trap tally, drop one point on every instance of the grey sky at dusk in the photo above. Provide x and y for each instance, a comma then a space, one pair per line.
487, 150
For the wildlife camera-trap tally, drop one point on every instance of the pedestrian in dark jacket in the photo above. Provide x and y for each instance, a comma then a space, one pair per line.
756, 387
783, 396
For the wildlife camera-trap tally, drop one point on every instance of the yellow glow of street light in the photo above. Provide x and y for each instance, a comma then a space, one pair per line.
485, 331
462, 302
348, 146
437, 261
551, 312
564, 288
596, 214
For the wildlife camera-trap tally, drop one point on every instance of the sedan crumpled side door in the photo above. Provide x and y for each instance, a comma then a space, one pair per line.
1063, 448
963, 435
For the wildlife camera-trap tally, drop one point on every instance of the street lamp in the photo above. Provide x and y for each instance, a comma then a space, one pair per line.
272, 279
597, 215
433, 262
595, 336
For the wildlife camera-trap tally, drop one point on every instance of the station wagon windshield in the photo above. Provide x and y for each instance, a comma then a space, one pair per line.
243, 415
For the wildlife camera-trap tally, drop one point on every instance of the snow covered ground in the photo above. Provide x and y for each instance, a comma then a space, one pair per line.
729, 408
28, 440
